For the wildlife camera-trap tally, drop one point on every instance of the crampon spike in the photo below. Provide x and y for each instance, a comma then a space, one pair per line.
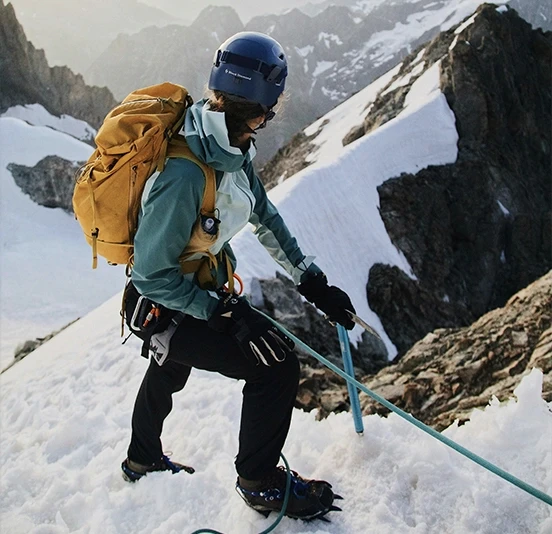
188, 469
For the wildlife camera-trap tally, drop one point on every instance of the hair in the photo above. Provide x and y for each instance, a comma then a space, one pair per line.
237, 113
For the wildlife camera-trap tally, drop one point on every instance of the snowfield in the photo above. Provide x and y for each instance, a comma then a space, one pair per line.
66, 411
36, 115
45, 263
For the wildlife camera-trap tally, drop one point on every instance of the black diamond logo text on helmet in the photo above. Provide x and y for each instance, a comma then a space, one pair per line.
237, 75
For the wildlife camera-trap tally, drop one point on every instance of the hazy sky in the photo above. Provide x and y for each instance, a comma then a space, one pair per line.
245, 8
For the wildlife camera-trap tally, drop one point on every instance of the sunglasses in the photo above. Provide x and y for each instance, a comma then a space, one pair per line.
269, 114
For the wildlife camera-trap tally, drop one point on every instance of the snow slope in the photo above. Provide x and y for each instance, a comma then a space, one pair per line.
65, 418
36, 115
45, 264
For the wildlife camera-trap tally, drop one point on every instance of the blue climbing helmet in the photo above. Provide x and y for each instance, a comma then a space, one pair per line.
252, 66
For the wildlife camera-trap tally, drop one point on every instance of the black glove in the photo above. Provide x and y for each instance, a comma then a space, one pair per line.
258, 338
330, 299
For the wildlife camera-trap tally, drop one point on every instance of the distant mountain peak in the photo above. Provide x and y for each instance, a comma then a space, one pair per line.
213, 16
28, 79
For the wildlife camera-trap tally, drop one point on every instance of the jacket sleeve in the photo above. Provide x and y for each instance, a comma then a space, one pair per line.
275, 236
170, 205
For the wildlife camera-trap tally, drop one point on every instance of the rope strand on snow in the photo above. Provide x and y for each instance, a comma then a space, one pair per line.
280, 515
433, 433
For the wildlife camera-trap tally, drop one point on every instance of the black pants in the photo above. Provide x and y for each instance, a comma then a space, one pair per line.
268, 397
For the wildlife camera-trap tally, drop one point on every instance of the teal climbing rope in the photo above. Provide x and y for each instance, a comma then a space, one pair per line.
437, 435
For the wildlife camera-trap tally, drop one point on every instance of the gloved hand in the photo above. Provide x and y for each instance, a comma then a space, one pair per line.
258, 338
333, 301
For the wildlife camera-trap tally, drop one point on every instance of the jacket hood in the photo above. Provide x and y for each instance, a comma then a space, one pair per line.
207, 137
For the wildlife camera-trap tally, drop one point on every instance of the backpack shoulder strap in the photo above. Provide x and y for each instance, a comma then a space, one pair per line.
178, 148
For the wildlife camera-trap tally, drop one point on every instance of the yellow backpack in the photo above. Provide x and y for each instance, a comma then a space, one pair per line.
133, 142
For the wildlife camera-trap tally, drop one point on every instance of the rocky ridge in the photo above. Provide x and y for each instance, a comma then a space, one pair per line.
28, 79
450, 372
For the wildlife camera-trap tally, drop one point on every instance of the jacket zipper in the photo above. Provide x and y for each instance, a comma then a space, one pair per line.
244, 191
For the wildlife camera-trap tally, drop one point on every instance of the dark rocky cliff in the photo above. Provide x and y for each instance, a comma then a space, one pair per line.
479, 230
27, 79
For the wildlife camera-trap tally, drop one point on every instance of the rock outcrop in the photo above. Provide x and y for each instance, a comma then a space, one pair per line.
49, 183
25, 348
27, 79
450, 372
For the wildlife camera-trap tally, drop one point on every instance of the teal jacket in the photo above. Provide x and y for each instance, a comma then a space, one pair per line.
171, 203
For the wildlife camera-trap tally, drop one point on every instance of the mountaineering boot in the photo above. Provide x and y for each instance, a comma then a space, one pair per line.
308, 499
133, 471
